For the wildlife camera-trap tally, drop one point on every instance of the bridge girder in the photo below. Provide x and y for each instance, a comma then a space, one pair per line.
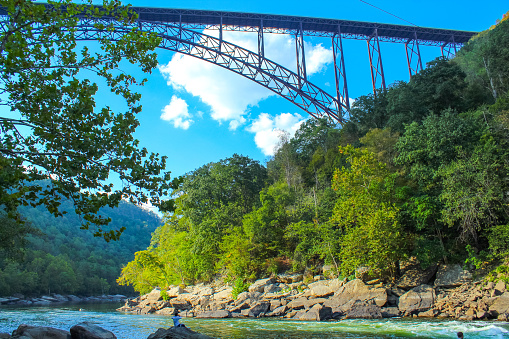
275, 77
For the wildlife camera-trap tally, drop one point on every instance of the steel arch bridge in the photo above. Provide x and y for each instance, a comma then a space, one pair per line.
181, 31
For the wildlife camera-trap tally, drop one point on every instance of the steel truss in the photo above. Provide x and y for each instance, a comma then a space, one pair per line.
251, 65
375, 62
449, 49
413, 56
301, 59
340, 70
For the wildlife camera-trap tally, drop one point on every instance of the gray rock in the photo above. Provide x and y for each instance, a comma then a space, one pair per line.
390, 312
275, 304
258, 309
224, 294
298, 303
36, 332
154, 295
289, 279
177, 333
278, 312
259, 285
87, 330
357, 290
361, 309
501, 305
415, 276
313, 301
73, 298
321, 290
205, 291
166, 311
500, 288
317, 313
174, 291
242, 297
5, 336
452, 276
180, 304
418, 299
272, 288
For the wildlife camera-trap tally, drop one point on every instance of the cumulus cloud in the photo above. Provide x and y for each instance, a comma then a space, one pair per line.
177, 113
268, 129
228, 94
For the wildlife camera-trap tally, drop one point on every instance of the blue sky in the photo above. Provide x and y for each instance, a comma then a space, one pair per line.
195, 112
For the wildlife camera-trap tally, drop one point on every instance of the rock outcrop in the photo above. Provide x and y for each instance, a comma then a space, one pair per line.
38, 332
87, 330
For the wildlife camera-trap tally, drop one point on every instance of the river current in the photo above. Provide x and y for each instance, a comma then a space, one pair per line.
128, 326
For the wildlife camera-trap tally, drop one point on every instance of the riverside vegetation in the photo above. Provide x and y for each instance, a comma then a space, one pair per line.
418, 171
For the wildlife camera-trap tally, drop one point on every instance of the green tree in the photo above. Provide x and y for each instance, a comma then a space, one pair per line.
55, 130
485, 59
367, 213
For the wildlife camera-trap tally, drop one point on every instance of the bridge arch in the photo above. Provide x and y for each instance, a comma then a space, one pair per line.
244, 62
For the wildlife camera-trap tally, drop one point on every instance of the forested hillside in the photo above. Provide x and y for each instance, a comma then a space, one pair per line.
418, 170
59, 257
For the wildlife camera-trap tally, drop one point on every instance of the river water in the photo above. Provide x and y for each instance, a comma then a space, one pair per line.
128, 326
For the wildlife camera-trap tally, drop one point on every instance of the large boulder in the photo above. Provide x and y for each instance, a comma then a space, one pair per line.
39, 332
87, 330
281, 310
258, 309
298, 303
154, 295
177, 333
413, 275
320, 289
418, 299
259, 285
223, 294
361, 309
180, 304
289, 279
452, 276
317, 313
501, 305
174, 291
357, 290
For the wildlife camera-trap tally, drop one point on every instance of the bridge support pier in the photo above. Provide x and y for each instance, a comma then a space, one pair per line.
301, 59
413, 54
340, 70
449, 49
375, 62
261, 47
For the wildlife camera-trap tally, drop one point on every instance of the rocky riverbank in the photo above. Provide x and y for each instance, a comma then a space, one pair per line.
438, 292
58, 299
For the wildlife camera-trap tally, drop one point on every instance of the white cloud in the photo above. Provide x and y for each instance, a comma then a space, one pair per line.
177, 113
268, 129
228, 94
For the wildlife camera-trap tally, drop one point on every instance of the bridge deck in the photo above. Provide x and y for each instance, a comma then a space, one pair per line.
311, 26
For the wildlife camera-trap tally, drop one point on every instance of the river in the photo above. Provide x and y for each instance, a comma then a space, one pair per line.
127, 326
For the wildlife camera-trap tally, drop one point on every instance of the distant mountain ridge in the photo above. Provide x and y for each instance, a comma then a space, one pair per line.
69, 260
